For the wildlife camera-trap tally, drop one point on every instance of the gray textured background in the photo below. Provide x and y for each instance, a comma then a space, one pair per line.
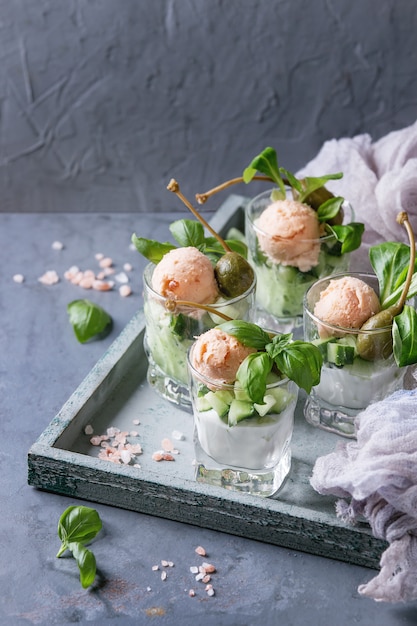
102, 101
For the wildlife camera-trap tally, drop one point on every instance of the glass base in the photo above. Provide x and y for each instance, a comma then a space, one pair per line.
168, 388
262, 482
292, 324
339, 420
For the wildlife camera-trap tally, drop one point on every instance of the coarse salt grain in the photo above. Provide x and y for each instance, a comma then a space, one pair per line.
167, 444
201, 551
194, 569
210, 591
209, 568
178, 435
121, 277
99, 256
155, 568
88, 429
125, 291
136, 422
106, 262
102, 285
127, 267
18, 278
49, 278
163, 575
191, 593
57, 245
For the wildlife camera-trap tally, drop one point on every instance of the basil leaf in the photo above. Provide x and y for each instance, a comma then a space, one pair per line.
247, 333
267, 163
301, 362
252, 375
278, 343
151, 249
187, 232
86, 562
293, 181
350, 235
312, 183
88, 319
389, 261
329, 209
404, 333
79, 524
212, 246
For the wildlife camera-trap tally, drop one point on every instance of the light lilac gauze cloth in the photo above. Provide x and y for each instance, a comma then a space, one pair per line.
375, 477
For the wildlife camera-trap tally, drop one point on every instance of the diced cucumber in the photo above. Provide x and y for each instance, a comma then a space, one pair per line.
362, 368
240, 393
322, 345
269, 402
340, 354
282, 398
220, 406
225, 395
239, 410
202, 404
272, 378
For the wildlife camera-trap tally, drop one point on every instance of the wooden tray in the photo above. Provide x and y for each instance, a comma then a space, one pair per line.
116, 393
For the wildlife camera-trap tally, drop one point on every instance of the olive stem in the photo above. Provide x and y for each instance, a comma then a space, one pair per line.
402, 218
175, 188
171, 306
203, 197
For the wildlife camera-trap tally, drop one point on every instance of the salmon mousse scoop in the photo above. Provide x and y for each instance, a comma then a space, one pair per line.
186, 274
290, 234
217, 356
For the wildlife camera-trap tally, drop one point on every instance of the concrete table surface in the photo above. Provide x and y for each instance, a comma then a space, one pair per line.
41, 364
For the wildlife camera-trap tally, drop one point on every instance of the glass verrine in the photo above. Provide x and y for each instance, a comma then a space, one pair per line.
281, 285
240, 445
169, 334
348, 382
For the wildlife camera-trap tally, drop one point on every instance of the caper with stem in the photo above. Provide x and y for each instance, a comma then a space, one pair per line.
234, 275
379, 345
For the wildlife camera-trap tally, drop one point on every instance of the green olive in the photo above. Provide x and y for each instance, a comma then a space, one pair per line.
377, 345
234, 275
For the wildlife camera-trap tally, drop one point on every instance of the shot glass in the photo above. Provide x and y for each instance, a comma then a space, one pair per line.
280, 288
169, 335
240, 445
348, 383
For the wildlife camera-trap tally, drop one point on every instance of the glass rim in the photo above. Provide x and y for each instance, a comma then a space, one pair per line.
328, 237
333, 327
214, 305
227, 386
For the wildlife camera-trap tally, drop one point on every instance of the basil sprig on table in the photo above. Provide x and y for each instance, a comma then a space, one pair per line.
348, 235
186, 233
390, 262
300, 361
77, 526
88, 319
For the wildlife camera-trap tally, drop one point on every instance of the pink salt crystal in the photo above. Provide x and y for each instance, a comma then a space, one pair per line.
49, 278
101, 285
125, 291
167, 444
18, 278
106, 262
